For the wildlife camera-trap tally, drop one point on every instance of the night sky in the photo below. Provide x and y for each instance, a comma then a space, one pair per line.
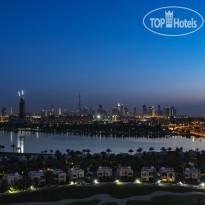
54, 49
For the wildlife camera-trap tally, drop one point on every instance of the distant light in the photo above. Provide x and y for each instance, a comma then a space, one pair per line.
117, 181
159, 182
71, 183
202, 184
98, 116
138, 181
32, 187
96, 181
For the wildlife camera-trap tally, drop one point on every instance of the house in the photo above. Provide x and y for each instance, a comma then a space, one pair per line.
104, 173
193, 175
37, 175
12, 178
75, 174
148, 174
125, 173
167, 174
59, 176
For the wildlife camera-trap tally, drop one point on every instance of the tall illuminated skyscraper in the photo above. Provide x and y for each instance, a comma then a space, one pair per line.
59, 111
21, 105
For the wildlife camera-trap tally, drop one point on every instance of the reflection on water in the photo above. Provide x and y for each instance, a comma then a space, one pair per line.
20, 142
37, 142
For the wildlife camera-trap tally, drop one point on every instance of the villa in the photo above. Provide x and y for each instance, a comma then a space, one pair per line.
148, 174
59, 176
167, 174
12, 178
192, 175
37, 175
104, 173
125, 173
75, 174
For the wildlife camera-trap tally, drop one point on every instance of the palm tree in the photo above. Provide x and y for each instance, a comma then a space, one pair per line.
58, 154
88, 151
130, 151
51, 151
103, 154
151, 149
45, 151
163, 149
2, 147
139, 150
13, 146
68, 151
108, 151
84, 151
169, 149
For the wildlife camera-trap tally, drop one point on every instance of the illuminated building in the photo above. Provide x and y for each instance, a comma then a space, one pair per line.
21, 105
167, 174
3, 111
148, 174
118, 107
169, 112
59, 112
144, 109
100, 109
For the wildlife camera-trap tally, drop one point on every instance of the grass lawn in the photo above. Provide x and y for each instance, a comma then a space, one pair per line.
79, 192
94, 202
172, 200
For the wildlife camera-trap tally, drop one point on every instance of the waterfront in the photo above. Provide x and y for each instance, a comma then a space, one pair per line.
35, 142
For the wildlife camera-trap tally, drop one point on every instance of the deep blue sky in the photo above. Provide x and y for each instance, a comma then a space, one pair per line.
54, 49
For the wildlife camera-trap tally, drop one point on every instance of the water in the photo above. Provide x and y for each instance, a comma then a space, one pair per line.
36, 142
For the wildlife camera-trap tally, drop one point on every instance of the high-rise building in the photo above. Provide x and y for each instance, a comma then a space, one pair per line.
135, 110
170, 112
59, 111
159, 111
3, 111
122, 109
144, 109
126, 109
153, 112
22, 105
118, 107
100, 109
173, 112
52, 111
85, 110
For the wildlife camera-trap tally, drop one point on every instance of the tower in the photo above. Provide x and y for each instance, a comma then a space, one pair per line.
21, 105
59, 111
3, 111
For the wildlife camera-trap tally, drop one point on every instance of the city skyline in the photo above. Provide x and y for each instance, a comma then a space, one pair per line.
79, 106
100, 49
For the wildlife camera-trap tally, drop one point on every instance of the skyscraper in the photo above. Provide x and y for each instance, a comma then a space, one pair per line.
59, 111
3, 111
21, 105
144, 109
135, 110
100, 109
170, 112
